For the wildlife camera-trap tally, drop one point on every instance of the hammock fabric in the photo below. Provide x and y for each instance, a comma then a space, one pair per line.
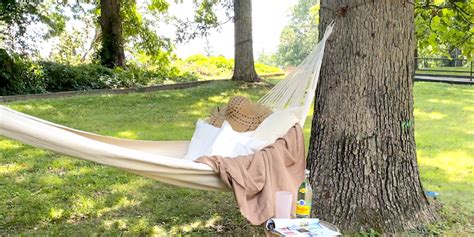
159, 160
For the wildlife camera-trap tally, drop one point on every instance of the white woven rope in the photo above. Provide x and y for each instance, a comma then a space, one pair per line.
297, 90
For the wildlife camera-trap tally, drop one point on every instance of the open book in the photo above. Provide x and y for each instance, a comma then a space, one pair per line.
299, 227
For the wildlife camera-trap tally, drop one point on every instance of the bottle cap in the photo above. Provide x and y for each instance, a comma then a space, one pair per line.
306, 171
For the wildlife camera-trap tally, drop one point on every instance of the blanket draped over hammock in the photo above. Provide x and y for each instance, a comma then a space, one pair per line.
255, 178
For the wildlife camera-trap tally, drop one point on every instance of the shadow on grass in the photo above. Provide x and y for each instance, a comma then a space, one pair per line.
444, 132
93, 199
456, 198
84, 198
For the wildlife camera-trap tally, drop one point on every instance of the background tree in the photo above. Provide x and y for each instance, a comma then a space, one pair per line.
141, 32
206, 19
267, 58
68, 50
298, 38
244, 66
138, 33
362, 152
15, 17
111, 53
444, 26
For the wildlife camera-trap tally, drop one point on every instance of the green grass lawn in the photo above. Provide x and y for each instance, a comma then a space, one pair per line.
455, 71
444, 132
45, 193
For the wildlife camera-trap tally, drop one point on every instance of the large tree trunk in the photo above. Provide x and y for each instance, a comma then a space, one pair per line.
244, 69
362, 151
111, 53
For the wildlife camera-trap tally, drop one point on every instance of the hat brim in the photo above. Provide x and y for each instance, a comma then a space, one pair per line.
239, 120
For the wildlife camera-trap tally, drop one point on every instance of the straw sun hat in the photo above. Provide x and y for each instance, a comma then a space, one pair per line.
241, 113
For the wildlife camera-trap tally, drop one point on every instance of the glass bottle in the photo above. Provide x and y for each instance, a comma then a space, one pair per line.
305, 197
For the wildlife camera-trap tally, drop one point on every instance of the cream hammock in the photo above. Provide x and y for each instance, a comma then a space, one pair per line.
159, 160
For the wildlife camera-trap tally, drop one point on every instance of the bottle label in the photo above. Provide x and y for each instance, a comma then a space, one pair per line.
302, 208
302, 190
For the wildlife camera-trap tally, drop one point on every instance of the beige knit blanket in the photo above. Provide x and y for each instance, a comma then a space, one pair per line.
255, 178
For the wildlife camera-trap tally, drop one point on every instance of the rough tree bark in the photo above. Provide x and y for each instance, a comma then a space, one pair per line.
111, 54
244, 69
362, 150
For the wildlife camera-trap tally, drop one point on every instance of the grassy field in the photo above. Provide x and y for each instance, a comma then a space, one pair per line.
45, 193
455, 71
444, 132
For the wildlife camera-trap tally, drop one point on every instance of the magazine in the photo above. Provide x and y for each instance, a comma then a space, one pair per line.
299, 227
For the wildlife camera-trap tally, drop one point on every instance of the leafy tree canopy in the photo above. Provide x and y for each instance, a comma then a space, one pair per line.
15, 17
443, 26
139, 36
205, 19
139, 24
301, 34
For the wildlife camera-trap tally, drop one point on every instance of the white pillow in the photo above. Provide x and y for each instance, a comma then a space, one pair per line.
203, 138
230, 143
276, 125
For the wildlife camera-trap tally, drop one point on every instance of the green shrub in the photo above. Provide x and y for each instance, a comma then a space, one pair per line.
61, 77
18, 76
181, 76
206, 67
22, 76
266, 69
216, 67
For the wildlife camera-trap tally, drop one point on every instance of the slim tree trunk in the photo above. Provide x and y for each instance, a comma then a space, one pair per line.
362, 151
95, 39
244, 69
111, 53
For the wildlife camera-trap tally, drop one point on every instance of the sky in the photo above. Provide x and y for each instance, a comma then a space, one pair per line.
269, 18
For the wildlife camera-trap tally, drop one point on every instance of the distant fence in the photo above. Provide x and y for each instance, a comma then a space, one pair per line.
444, 67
